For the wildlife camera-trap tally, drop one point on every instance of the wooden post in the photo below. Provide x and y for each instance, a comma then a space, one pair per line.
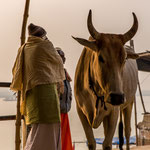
18, 124
18, 116
135, 110
24, 24
136, 132
141, 98
132, 45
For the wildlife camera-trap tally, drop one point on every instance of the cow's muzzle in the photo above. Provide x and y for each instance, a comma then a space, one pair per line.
116, 99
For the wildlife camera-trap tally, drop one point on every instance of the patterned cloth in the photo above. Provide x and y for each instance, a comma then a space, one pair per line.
42, 105
37, 63
66, 97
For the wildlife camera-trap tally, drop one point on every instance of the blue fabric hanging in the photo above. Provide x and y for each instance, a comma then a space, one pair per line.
115, 140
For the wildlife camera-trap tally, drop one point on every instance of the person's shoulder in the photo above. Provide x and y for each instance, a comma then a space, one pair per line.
45, 44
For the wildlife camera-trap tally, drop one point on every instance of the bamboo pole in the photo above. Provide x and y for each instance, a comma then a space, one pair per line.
18, 124
132, 45
18, 116
141, 98
136, 132
24, 24
135, 109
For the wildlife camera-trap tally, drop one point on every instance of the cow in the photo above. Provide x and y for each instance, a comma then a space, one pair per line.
105, 83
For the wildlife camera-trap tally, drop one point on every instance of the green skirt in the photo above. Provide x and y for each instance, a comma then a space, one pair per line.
42, 105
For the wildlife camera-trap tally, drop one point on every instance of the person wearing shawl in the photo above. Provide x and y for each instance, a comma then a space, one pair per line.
65, 106
37, 71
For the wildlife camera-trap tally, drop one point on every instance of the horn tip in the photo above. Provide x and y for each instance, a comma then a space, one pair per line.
90, 11
74, 37
133, 14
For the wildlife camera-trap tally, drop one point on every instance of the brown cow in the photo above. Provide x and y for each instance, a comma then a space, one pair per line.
105, 79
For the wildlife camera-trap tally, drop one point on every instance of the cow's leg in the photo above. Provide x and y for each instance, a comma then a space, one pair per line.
105, 125
127, 122
87, 102
88, 130
120, 128
109, 124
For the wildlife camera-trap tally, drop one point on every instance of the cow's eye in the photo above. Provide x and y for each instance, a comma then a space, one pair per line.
101, 59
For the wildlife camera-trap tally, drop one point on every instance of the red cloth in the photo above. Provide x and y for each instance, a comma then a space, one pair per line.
66, 141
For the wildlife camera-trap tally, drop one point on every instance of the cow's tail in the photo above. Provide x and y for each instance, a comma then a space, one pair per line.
121, 139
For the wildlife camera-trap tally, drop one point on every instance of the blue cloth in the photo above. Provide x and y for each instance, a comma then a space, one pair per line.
115, 140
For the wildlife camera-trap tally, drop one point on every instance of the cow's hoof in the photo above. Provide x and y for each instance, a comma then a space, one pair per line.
108, 148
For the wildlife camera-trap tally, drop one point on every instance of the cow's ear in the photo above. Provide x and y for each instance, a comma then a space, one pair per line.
132, 55
86, 43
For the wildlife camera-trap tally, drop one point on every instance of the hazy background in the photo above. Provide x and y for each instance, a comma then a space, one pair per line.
63, 18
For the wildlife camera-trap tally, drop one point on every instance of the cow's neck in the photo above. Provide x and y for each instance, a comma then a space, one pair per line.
95, 88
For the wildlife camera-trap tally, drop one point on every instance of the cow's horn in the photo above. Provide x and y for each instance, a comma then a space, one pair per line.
91, 28
129, 35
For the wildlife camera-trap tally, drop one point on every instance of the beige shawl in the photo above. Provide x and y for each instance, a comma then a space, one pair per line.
37, 63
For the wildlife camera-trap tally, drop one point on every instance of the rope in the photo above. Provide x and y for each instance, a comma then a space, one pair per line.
98, 98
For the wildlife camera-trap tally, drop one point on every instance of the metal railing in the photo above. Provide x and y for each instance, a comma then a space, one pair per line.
5, 84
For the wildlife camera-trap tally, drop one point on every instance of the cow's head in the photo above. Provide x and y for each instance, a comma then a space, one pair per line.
109, 59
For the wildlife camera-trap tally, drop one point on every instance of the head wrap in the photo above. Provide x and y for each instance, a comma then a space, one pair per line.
36, 30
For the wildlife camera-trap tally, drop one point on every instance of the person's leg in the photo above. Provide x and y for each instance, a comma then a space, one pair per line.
44, 137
